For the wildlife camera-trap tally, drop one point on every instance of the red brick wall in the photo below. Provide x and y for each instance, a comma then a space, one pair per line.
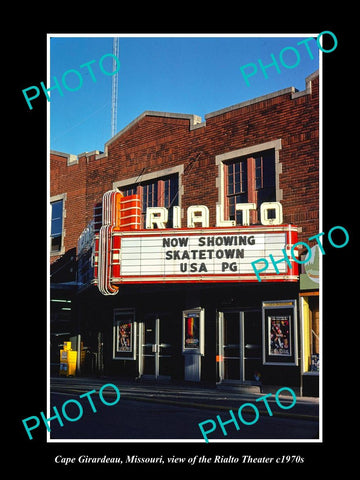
158, 142
70, 180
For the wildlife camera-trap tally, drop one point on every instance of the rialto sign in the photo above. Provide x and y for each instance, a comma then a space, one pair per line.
127, 254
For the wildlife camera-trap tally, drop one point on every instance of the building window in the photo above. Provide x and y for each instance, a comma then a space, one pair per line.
150, 196
171, 191
237, 190
250, 179
97, 217
265, 178
129, 191
56, 234
158, 192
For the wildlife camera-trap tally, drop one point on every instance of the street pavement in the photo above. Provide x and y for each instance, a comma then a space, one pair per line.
193, 396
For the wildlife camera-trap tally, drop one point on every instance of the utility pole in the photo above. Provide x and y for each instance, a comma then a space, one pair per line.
114, 95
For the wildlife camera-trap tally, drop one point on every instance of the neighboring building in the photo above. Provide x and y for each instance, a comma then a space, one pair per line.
189, 321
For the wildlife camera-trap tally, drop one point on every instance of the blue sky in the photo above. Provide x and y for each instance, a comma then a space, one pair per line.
184, 74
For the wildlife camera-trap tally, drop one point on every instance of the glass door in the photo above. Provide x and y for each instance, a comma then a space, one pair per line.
150, 343
252, 345
156, 352
230, 364
239, 347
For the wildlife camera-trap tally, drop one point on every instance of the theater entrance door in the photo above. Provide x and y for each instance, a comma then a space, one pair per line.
239, 348
156, 349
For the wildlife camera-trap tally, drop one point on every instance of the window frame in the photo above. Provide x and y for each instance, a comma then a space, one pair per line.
53, 200
250, 183
159, 178
224, 159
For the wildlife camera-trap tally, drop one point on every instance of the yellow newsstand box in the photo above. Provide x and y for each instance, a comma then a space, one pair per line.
68, 359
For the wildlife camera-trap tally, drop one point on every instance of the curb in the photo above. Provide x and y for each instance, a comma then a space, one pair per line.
199, 405
300, 416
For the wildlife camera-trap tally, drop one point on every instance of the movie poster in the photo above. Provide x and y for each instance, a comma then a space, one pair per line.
124, 336
279, 336
192, 329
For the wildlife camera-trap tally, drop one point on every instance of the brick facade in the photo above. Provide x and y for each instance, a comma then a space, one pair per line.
158, 141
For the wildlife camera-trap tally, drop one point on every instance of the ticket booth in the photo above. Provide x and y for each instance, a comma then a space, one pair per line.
68, 359
193, 343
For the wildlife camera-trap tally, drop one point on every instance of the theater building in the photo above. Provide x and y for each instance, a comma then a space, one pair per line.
190, 241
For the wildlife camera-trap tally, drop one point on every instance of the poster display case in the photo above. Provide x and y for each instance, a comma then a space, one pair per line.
279, 332
193, 331
124, 335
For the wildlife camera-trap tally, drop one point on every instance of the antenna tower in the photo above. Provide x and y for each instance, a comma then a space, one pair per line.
114, 94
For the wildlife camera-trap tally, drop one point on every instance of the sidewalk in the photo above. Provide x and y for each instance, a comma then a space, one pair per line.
193, 396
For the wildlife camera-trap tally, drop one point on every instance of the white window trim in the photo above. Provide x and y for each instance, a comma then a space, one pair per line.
54, 199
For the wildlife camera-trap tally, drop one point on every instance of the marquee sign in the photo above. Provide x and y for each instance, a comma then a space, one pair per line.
126, 254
